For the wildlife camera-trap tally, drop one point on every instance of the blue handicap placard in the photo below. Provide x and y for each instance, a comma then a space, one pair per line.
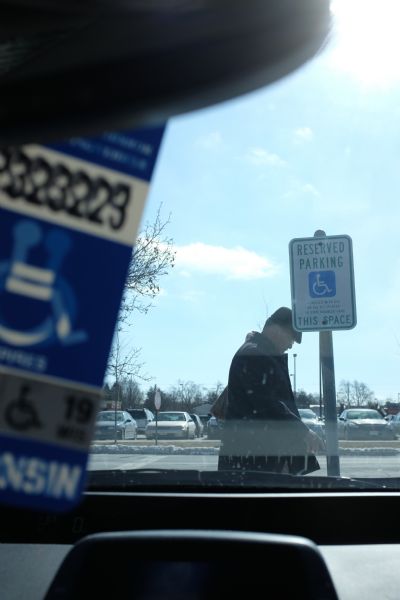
69, 213
60, 292
39, 475
133, 152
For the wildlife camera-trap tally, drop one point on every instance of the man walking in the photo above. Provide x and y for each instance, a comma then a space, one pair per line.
263, 429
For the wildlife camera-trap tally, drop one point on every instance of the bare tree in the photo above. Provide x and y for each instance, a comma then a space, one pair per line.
132, 395
361, 393
345, 392
124, 362
212, 394
356, 393
152, 257
188, 394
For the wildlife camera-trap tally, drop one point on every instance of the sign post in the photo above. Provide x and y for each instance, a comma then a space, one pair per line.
329, 395
157, 406
323, 299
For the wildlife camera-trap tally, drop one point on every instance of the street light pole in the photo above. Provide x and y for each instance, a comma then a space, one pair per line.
294, 374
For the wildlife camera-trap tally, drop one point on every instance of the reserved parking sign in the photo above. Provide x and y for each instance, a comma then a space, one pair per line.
322, 283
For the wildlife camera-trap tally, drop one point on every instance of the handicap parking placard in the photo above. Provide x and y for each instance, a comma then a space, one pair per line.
60, 293
322, 283
69, 214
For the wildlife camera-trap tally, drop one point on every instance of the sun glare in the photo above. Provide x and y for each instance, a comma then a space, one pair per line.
367, 39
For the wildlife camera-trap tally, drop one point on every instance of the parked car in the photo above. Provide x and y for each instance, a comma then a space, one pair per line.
198, 423
394, 423
172, 424
142, 416
318, 410
214, 428
364, 424
310, 419
204, 419
105, 425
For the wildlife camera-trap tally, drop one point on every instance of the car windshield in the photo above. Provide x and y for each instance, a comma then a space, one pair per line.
110, 416
138, 414
286, 197
364, 414
307, 413
170, 416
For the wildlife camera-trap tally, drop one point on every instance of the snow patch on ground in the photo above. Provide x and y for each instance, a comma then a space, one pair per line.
122, 449
201, 450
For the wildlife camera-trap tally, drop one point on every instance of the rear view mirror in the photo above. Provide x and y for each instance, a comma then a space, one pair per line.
73, 68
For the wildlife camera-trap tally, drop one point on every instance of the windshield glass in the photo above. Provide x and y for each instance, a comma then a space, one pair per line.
363, 414
138, 414
307, 414
110, 416
165, 416
313, 155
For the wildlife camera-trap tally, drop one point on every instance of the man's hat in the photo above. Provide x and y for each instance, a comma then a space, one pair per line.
283, 317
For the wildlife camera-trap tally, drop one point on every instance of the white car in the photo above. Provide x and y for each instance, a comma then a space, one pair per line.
172, 424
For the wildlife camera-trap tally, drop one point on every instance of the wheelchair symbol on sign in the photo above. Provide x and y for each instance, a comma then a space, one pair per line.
39, 283
322, 284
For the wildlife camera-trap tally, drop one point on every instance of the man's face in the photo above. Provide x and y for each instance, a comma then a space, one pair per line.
285, 339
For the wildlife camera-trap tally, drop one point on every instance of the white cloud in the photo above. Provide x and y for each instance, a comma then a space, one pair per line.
303, 134
210, 141
231, 263
308, 188
299, 189
192, 296
262, 158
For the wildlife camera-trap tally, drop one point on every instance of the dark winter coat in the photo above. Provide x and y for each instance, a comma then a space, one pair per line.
262, 428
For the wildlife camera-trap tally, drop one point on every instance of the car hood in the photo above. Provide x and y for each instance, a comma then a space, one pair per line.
108, 423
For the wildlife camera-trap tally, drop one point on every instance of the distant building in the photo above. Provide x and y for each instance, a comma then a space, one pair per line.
392, 408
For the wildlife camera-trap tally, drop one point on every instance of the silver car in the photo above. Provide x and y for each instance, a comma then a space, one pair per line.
198, 423
106, 425
142, 416
364, 424
310, 419
394, 423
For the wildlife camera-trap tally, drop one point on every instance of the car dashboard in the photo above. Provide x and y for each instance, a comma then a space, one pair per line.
349, 547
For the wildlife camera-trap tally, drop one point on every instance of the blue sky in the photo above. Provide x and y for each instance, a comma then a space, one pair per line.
317, 150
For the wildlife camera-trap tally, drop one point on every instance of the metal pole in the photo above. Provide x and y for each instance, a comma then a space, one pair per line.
294, 374
157, 404
115, 412
329, 394
320, 390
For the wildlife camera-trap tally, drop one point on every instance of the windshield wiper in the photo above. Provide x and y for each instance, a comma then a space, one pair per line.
228, 480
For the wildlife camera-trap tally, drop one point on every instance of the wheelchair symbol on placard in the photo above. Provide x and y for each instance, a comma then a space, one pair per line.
40, 283
322, 284
21, 413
